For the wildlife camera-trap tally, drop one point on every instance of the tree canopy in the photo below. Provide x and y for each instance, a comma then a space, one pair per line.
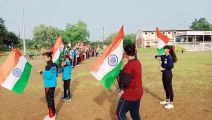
128, 38
45, 36
6, 37
201, 24
77, 32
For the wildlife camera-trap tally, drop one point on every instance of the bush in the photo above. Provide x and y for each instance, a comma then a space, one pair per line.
179, 48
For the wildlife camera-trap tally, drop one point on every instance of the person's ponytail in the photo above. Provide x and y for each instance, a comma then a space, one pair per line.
173, 54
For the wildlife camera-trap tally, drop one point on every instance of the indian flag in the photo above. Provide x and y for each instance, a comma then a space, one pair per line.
107, 67
57, 50
15, 72
162, 41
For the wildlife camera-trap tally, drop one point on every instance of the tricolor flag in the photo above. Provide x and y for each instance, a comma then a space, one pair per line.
57, 50
15, 72
163, 40
107, 67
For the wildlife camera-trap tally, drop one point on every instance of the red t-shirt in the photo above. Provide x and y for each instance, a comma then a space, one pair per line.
135, 90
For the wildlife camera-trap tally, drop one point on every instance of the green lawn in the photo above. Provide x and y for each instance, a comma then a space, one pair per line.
194, 68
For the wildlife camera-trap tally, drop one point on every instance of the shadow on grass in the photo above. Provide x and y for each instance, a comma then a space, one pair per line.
59, 106
113, 98
152, 94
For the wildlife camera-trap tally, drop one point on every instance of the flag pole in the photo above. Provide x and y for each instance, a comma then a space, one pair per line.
23, 28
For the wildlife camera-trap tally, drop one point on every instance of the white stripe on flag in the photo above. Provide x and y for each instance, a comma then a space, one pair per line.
56, 55
11, 79
161, 44
105, 67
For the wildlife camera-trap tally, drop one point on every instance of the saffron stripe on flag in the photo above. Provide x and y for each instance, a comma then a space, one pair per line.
8, 65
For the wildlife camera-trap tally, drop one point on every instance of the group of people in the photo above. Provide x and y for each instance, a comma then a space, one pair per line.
70, 58
129, 79
80, 53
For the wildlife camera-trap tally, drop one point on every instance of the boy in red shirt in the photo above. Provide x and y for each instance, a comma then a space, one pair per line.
131, 80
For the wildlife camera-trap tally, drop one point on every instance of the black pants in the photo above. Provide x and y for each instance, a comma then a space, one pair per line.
167, 84
50, 100
74, 61
125, 105
119, 83
66, 88
78, 60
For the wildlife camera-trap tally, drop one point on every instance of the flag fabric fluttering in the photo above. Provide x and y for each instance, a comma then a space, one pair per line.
15, 72
57, 50
107, 67
163, 40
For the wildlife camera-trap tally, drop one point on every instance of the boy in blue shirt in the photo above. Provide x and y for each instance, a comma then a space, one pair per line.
66, 69
50, 82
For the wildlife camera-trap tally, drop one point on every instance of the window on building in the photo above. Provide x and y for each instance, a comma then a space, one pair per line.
152, 33
164, 33
145, 33
168, 32
175, 32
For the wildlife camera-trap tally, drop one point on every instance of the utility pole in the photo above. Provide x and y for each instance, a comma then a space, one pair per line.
23, 28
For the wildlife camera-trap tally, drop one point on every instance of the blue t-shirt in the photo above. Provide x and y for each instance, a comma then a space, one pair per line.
66, 70
50, 75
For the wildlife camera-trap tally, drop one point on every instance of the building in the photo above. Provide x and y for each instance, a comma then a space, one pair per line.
191, 40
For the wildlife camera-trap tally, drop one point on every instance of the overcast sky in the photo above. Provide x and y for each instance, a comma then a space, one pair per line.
110, 14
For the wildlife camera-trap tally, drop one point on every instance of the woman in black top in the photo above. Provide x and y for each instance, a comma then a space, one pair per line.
167, 64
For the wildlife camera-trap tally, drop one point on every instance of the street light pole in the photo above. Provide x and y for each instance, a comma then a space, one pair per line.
23, 28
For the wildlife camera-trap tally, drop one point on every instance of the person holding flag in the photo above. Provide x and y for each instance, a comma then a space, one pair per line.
66, 69
130, 79
50, 82
107, 67
167, 57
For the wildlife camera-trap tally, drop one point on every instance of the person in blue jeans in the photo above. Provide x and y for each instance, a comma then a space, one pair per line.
66, 70
50, 82
130, 79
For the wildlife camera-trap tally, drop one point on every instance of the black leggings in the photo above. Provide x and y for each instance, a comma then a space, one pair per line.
167, 84
50, 100
66, 88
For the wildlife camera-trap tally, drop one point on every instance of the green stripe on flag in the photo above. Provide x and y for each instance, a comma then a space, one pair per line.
160, 51
110, 77
23, 80
59, 59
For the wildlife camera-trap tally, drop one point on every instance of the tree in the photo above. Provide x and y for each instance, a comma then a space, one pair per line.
30, 44
45, 36
76, 32
128, 38
11, 38
3, 31
110, 38
201, 25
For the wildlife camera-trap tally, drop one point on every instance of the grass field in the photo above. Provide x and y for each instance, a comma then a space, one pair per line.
192, 85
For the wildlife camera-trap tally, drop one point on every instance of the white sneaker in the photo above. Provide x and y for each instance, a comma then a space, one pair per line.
49, 118
169, 106
163, 102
